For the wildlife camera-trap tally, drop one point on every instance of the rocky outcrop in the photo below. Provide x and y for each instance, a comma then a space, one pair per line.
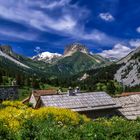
129, 72
75, 47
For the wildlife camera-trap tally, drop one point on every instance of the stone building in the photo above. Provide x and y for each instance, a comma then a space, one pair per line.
8, 93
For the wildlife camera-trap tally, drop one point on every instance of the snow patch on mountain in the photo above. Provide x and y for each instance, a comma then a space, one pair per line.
84, 77
47, 57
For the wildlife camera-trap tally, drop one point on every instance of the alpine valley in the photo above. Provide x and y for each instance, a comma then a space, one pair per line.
76, 66
76, 58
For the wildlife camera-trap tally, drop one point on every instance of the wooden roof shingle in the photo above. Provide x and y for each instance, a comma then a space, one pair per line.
130, 106
81, 101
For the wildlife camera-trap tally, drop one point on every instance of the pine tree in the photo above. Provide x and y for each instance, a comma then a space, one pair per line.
1, 79
111, 87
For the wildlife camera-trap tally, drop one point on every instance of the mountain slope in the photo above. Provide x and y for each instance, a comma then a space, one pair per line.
10, 61
2, 54
74, 64
76, 58
129, 72
129, 56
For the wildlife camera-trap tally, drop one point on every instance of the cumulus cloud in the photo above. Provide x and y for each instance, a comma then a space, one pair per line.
106, 16
118, 51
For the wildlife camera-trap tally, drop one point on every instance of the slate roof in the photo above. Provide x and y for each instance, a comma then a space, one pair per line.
81, 101
130, 106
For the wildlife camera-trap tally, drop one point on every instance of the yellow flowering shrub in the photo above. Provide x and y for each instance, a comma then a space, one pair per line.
16, 104
11, 117
60, 114
19, 122
15, 113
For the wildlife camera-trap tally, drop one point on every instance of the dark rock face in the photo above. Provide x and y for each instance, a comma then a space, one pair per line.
8, 93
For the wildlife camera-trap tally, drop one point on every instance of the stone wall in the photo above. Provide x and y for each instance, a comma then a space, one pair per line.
8, 92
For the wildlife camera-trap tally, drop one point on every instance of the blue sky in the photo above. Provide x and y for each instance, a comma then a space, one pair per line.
108, 27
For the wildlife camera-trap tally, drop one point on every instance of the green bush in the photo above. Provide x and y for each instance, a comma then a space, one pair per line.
18, 122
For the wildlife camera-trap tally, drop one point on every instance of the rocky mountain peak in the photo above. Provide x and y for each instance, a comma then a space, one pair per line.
6, 49
75, 47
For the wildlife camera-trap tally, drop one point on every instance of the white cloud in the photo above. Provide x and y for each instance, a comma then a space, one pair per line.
35, 14
43, 15
8, 33
118, 51
138, 29
97, 36
56, 4
135, 43
106, 16
36, 18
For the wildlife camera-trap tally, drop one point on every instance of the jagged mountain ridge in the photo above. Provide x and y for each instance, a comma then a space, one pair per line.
69, 51
76, 58
49, 57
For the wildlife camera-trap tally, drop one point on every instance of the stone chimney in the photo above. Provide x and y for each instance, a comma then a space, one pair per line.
71, 92
77, 90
